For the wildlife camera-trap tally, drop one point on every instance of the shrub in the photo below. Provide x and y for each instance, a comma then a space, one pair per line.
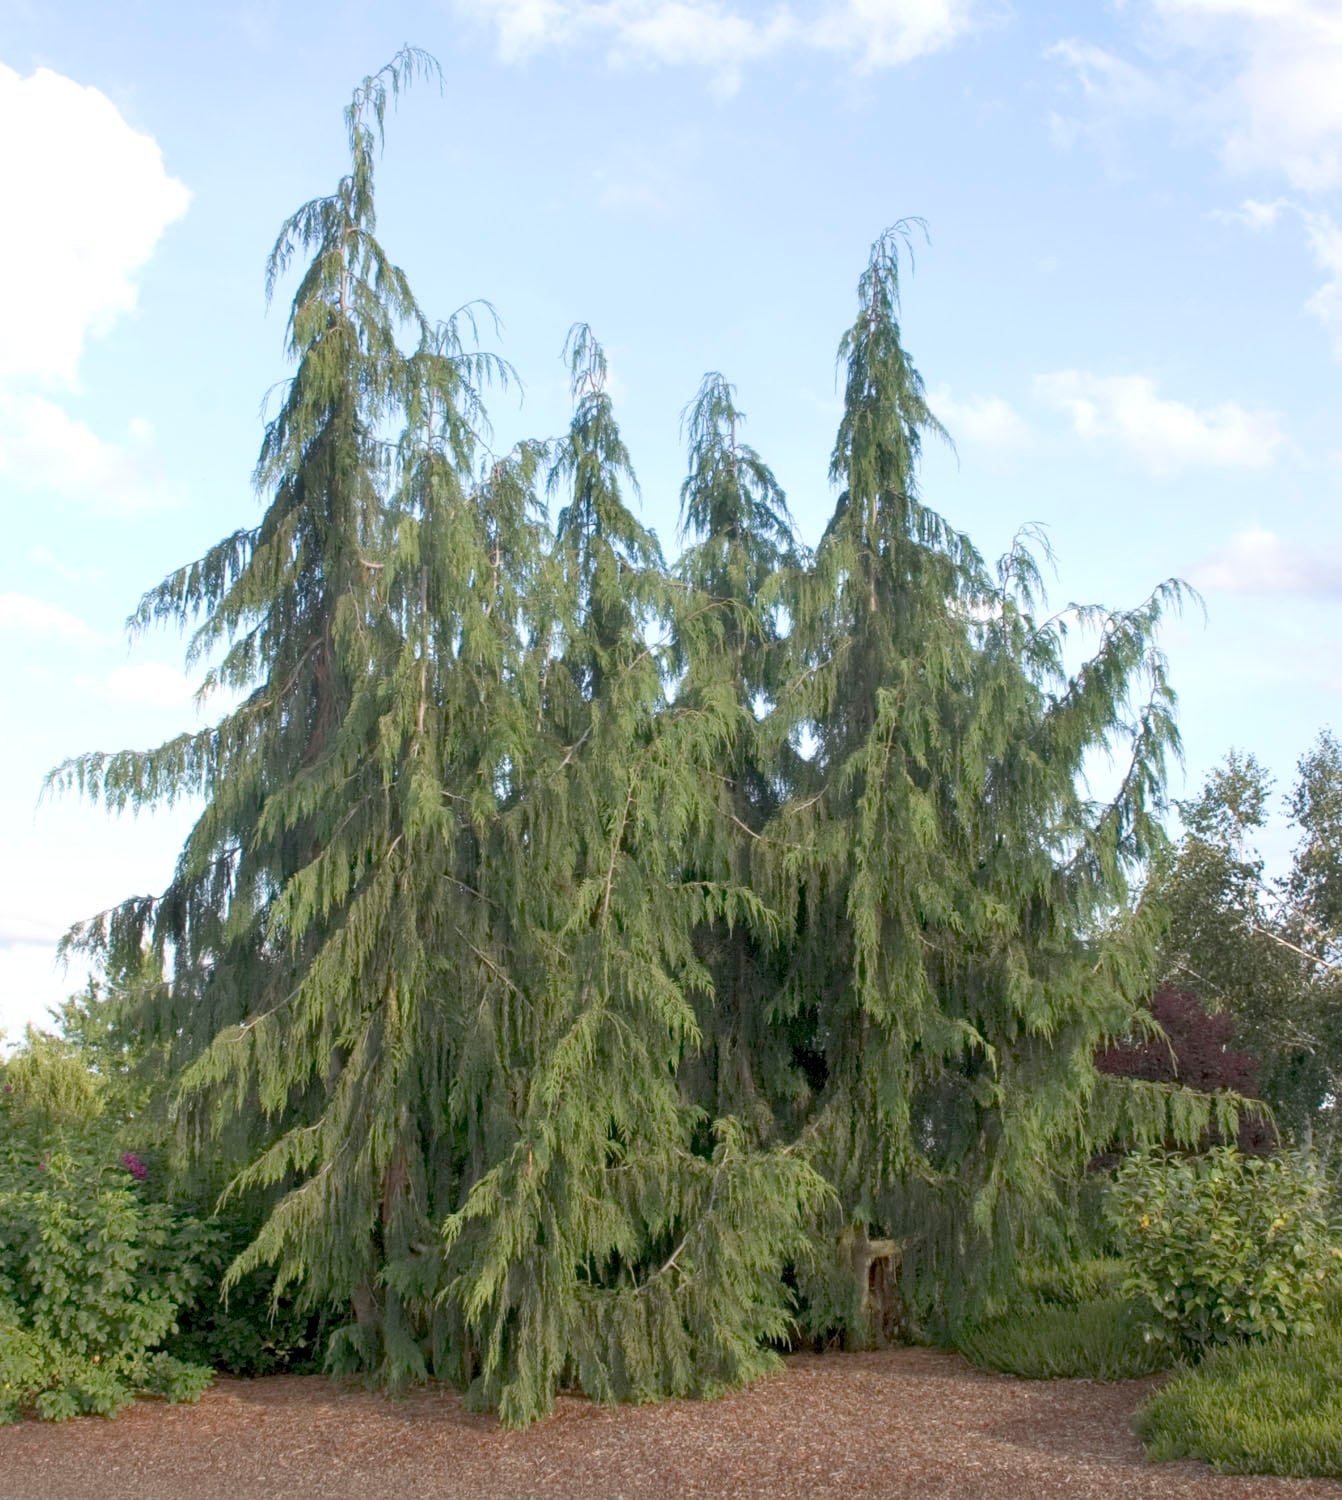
245, 1332
1223, 1247
1102, 1339
1266, 1408
91, 1280
91, 1094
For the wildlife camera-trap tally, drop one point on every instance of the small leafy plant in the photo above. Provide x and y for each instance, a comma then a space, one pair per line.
92, 1276
1223, 1247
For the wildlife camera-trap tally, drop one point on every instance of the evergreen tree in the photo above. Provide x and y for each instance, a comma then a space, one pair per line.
304, 922
963, 932
574, 958
610, 563
730, 625
621, 1242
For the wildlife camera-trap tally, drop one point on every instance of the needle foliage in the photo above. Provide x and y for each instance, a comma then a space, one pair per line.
598, 969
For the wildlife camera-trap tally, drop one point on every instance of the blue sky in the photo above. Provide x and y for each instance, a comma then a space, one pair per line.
1129, 314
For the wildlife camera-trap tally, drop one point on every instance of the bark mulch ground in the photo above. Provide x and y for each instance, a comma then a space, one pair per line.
906, 1422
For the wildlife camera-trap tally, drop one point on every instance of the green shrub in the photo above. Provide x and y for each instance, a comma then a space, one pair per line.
1223, 1247
1103, 1339
91, 1280
1265, 1408
244, 1332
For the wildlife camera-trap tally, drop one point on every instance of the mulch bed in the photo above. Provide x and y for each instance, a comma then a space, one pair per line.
903, 1422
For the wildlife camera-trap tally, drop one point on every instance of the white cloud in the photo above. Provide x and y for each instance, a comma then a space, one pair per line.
1163, 436
1257, 561
1277, 64
987, 420
1114, 92
887, 33
1323, 237
44, 449
720, 38
86, 199
1254, 214
20, 931
22, 615
1259, 77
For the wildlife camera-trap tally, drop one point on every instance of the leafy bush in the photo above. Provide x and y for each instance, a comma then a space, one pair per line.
1101, 1339
95, 1090
1266, 1408
1223, 1247
91, 1280
243, 1332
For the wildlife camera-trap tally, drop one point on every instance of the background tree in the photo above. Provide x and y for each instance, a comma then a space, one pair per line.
1266, 951
1192, 1048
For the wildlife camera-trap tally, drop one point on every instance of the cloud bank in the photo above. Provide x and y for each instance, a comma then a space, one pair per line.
1163, 436
1257, 78
721, 38
87, 200
1257, 561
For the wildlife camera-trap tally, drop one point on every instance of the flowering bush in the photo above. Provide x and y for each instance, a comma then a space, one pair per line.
1223, 1246
91, 1280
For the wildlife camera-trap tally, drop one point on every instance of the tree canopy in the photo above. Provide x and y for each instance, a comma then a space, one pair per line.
597, 966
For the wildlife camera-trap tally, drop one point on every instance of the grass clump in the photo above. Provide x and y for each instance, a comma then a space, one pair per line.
1265, 1408
1097, 1339
1090, 1279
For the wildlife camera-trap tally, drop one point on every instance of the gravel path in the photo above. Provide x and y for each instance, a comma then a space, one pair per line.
906, 1422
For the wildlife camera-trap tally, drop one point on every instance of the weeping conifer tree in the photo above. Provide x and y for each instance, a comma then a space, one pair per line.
742, 561
963, 928
325, 918
593, 967
627, 1242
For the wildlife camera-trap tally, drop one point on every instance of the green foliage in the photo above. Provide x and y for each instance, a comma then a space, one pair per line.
692, 1319
961, 919
245, 1330
1265, 1408
1269, 952
574, 957
48, 1086
25, 1365
91, 1280
1095, 1279
1094, 1339
1223, 1247
1068, 1318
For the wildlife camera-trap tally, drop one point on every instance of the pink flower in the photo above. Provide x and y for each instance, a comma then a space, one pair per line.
134, 1166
